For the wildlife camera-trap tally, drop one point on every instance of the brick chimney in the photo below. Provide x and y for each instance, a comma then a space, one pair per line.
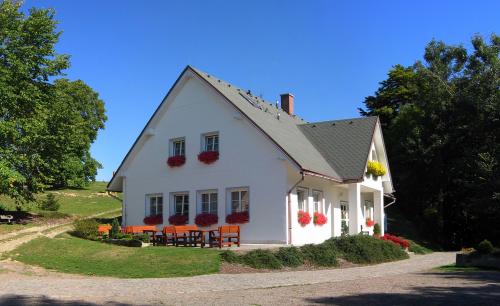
287, 103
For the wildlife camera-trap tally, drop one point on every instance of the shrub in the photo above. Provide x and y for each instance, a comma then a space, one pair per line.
323, 255
261, 259
376, 229
230, 256
485, 247
290, 256
206, 219
50, 203
87, 229
3, 208
376, 168
397, 240
363, 249
141, 237
115, 229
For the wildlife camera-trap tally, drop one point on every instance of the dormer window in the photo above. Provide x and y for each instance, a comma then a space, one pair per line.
178, 147
211, 143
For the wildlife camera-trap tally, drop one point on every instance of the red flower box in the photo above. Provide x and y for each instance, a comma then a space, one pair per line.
238, 217
206, 219
304, 217
397, 240
153, 220
178, 219
319, 218
208, 157
176, 161
370, 222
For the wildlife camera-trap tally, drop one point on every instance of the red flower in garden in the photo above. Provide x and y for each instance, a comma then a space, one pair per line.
176, 161
304, 217
238, 217
397, 240
208, 157
206, 219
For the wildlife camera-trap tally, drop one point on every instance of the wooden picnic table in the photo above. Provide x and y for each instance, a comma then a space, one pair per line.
198, 236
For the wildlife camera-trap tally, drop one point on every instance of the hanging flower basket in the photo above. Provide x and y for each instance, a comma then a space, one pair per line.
153, 220
304, 217
370, 222
178, 219
176, 161
238, 217
319, 218
208, 157
206, 219
375, 168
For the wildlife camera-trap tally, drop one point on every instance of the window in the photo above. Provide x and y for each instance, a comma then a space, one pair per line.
302, 197
368, 210
317, 201
239, 200
181, 204
155, 202
344, 217
178, 147
208, 202
211, 143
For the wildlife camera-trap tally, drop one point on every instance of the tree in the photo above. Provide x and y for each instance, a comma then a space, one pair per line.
46, 126
441, 121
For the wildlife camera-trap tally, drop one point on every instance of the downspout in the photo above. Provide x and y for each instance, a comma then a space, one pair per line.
390, 196
290, 207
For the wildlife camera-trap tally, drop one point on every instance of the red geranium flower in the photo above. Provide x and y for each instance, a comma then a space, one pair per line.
397, 240
238, 217
319, 218
370, 222
153, 220
208, 157
176, 161
206, 219
304, 217
178, 219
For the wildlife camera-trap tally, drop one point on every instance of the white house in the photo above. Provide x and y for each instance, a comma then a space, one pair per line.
271, 164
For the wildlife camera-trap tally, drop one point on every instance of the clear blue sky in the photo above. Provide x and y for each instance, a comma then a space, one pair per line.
329, 54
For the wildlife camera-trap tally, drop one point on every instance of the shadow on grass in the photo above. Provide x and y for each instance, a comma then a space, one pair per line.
23, 300
485, 292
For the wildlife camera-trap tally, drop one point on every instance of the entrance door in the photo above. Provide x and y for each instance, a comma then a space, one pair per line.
344, 217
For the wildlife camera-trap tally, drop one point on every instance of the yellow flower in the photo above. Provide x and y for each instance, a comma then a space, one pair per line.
376, 168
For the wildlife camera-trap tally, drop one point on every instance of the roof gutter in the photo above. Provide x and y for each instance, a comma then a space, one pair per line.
390, 196
326, 177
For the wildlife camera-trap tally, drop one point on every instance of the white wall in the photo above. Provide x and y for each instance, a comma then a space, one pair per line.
247, 158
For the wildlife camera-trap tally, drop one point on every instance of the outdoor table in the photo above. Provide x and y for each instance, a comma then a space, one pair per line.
199, 235
152, 234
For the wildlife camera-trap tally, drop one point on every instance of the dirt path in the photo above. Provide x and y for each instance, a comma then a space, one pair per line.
10, 241
218, 288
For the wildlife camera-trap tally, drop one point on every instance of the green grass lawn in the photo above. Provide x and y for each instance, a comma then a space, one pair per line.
74, 202
69, 254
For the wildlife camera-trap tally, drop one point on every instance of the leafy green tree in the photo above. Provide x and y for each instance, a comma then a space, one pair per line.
441, 120
46, 126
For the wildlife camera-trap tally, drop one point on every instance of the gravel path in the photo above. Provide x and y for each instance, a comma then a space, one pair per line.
173, 290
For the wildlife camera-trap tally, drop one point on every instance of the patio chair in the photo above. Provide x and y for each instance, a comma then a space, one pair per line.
182, 234
168, 235
226, 235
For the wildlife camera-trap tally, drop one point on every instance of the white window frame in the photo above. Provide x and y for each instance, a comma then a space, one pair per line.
174, 196
148, 204
213, 147
240, 204
173, 142
346, 220
212, 193
320, 207
305, 205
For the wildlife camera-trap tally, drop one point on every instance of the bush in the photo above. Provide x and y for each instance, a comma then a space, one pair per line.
87, 229
261, 259
290, 256
323, 255
363, 249
142, 237
230, 256
376, 229
3, 208
50, 203
115, 229
485, 247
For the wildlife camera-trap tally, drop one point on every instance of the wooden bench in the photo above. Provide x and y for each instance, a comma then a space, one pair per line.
6, 218
226, 235
182, 234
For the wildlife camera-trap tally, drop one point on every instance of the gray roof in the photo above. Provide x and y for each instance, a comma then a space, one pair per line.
337, 149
